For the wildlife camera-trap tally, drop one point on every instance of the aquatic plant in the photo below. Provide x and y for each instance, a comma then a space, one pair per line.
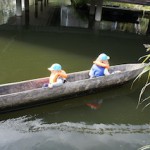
147, 84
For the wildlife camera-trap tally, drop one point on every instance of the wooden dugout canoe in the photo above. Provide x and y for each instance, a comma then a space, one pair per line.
30, 93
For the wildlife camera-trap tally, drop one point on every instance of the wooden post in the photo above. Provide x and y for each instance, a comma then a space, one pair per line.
18, 8
148, 29
36, 9
92, 7
44, 3
98, 14
26, 4
41, 8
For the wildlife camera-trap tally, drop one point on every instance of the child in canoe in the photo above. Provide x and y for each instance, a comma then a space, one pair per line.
57, 76
100, 66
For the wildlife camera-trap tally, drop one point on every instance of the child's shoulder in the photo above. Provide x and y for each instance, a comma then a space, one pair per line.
101, 64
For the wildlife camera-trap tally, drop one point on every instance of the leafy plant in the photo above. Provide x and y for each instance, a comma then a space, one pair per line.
145, 71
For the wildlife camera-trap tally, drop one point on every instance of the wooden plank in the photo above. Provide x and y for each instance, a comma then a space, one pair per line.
142, 2
27, 13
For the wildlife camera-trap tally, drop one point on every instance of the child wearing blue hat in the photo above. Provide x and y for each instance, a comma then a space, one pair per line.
57, 76
100, 66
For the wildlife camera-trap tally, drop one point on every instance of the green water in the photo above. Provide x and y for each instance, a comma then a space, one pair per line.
26, 54
73, 125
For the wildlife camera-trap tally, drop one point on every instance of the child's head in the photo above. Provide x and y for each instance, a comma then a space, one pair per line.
103, 57
55, 68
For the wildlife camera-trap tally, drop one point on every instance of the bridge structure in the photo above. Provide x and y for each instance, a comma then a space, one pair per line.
99, 7
140, 2
96, 7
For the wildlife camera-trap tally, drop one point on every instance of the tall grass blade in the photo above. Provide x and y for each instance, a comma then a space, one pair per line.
146, 69
142, 91
145, 106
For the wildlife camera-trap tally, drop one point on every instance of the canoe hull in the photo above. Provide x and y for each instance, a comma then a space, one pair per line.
40, 96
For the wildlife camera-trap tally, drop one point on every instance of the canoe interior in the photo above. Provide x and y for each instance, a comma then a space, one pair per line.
72, 77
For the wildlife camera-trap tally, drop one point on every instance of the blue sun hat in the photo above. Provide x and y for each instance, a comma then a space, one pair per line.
103, 56
56, 67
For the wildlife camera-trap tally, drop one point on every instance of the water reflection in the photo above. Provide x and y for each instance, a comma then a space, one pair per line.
27, 124
95, 104
68, 16
73, 18
108, 107
116, 125
24, 133
7, 10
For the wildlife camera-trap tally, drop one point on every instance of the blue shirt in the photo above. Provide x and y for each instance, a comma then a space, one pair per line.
97, 71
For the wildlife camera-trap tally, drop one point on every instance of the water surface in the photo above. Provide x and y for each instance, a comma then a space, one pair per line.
105, 120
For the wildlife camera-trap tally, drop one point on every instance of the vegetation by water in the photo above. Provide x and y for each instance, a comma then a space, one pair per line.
147, 84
